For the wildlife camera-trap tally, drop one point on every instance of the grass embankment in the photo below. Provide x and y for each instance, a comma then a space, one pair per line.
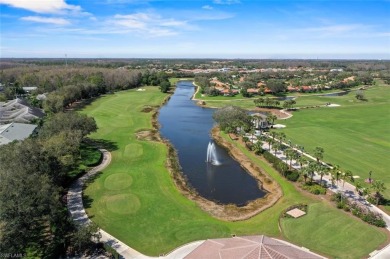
135, 199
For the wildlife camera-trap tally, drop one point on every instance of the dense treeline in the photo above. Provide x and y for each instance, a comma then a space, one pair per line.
34, 172
65, 86
49, 79
348, 65
33, 216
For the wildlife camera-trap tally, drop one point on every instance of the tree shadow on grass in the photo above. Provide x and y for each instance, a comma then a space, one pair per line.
105, 144
87, 203
80, 105
87, 200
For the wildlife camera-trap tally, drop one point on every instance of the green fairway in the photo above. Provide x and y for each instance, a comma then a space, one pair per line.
355, 135
136, 201
323, 228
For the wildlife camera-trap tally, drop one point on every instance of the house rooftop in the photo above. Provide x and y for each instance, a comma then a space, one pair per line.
15, 131
18, 110
259, 247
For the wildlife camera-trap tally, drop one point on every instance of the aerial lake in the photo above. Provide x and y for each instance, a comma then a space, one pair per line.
187, 126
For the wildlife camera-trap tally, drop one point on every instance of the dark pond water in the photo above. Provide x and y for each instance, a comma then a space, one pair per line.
187, 126
285, 98
336, 94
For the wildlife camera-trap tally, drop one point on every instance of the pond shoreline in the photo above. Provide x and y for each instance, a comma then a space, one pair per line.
226, 212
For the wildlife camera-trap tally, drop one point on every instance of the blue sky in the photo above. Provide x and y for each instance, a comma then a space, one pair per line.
195, 29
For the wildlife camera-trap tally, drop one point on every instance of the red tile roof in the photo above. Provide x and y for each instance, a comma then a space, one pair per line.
252, 90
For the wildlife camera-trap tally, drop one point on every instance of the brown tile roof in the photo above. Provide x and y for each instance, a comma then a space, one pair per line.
252, 90
249, 247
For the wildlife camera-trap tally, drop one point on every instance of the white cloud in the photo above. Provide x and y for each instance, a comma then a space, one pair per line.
43, 6
40, 19
207, 7
127, 1
335, 29
227, 2
148, 24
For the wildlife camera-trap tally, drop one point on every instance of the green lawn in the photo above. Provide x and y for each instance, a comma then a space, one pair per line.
135, 199
355, 135
323, 228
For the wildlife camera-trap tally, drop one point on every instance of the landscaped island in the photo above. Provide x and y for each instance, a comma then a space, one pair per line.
137, 201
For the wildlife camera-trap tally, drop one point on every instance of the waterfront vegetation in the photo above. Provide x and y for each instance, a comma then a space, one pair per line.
355, 135
137, 201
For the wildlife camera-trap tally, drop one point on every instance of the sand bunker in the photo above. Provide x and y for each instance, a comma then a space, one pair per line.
278, 126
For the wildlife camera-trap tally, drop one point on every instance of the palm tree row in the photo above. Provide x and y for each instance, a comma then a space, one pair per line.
308, 169
266, 102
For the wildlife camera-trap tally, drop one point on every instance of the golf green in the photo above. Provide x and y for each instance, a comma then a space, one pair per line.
135, 199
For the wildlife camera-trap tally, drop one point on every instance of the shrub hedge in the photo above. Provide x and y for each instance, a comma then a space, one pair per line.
342, 202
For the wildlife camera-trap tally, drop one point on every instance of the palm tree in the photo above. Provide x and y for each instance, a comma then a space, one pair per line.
282, 137
267, 101
257, 120
288, 154
271, 118
335, 172
359, 188
259, 102
347, 175
310, 169
292, 102
378, 187
291, 154
270, 142
286, 104
258, 147
318, 153
322, 170
294, 156
277, 146
273, 134
302, 160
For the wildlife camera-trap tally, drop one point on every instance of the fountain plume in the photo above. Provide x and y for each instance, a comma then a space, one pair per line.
212, 156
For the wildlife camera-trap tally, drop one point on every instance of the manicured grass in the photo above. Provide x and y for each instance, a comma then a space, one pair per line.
135, 199
174, 80
323, 228
355, 135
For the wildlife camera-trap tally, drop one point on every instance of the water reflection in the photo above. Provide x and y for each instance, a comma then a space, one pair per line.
187, 126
